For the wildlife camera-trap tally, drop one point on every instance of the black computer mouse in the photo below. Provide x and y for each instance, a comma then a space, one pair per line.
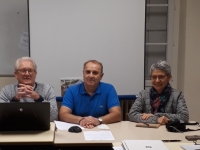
75, 129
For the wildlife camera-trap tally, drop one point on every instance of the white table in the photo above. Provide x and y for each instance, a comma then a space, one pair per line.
123, 130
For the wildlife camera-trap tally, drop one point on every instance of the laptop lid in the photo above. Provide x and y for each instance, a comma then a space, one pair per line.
24, 116
144, 145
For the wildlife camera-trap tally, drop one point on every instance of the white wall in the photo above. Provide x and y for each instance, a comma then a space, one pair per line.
111, 31
189, 55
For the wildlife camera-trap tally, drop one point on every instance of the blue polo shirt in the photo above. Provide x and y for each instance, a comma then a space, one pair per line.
82, 104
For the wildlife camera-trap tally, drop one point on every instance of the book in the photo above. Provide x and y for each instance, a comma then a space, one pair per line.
144, 145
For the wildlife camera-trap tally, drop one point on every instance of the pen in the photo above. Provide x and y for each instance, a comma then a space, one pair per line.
146, 124
171, 140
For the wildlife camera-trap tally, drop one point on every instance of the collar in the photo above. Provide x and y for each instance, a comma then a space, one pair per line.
83, 91
35, 85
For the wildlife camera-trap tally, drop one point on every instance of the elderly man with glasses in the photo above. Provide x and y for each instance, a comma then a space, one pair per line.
26, 89
161, 102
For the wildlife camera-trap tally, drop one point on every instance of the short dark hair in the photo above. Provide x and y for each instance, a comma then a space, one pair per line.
95, 62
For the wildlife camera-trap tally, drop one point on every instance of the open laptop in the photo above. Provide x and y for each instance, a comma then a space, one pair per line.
144, 145
26, 116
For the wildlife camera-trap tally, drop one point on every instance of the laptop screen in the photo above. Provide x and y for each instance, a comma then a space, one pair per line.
24, 116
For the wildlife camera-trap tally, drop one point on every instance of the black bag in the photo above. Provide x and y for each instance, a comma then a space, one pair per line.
177, 126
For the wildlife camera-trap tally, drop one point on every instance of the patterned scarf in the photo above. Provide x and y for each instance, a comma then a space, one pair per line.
158, 101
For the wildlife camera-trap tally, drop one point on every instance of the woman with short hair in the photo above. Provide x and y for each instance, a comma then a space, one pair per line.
161, 102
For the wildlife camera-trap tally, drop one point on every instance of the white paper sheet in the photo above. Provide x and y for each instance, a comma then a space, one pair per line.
98, 135
64, 125
118, 148
24, 41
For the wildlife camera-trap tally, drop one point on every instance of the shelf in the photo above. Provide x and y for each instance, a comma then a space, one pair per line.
156, 43
157, 5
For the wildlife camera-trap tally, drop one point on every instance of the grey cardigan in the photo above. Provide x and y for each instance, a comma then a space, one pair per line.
44, 90
175, 108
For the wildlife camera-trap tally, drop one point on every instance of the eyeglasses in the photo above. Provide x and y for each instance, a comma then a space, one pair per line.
159, 77
23, 71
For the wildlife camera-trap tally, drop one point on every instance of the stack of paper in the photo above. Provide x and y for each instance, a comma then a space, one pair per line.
98, 135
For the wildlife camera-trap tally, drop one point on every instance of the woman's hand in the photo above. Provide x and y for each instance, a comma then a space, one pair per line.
146, 116
163, 120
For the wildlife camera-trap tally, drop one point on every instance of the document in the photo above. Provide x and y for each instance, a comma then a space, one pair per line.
24, 41
64, 125
191, 147
98, 135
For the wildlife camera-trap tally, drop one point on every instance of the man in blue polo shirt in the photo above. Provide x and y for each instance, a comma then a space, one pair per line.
91, 102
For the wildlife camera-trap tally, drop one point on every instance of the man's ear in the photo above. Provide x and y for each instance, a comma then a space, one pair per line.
15, 73
102, 75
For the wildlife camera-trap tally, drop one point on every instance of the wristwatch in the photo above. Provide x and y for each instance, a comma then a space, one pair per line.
100, 121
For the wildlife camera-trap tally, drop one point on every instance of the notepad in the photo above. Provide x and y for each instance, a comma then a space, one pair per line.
190, 147
144, 145
150, 125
